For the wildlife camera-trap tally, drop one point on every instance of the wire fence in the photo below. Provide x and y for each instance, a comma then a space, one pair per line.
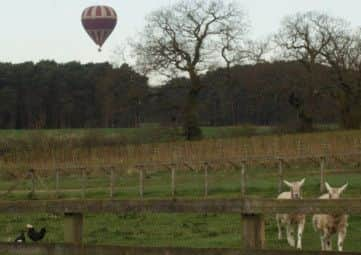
260, 178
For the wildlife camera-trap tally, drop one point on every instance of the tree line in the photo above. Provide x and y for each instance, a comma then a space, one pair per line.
74, 95
71, 95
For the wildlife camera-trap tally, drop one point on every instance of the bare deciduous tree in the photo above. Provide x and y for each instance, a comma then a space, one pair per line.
257, 50
302, 38
184, 37
233, 46
238, 51
343, 55
315, 38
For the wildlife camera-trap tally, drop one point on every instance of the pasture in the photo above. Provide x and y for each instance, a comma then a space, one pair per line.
178, 230
175, 230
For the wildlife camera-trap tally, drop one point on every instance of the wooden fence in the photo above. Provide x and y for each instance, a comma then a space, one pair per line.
251, 211
239, 164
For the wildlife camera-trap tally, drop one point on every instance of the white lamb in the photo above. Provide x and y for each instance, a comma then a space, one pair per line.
290, 220
328, 225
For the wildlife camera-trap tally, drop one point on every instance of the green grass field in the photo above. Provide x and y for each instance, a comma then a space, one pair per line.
178, 230
148, 133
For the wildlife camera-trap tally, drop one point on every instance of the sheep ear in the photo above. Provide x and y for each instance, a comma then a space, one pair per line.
328, 187
343, 188
302, 182
287, 183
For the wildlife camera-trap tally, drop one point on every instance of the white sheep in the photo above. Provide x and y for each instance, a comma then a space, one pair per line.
328, 225
290, 220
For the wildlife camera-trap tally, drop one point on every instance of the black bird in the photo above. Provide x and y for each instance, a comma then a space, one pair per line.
20, 238
34, 235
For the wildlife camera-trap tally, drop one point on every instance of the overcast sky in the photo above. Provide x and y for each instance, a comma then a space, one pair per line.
32, 30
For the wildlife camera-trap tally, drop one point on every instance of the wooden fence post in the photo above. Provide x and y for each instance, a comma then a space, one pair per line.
322, 174
280, 175
83, 183
253, 231
243, 179
173, 180
141, 182
359, 149
32, 177
206, 180
111, 182
73, 228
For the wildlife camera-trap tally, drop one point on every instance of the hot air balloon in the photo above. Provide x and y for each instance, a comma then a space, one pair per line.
99, 22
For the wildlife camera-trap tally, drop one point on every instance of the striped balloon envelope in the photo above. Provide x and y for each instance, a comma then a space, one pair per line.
99, 22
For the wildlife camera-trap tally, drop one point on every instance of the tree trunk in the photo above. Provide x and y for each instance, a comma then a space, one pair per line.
191, 127
305, 120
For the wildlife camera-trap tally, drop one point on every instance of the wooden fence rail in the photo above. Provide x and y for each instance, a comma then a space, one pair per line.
241, 206
69, 249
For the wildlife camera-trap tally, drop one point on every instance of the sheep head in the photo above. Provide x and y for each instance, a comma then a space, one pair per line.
295, 188
335, 193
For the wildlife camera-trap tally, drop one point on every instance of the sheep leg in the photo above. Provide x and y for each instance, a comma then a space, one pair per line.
279, 227
290, 237
300, 229
327, 244
322, 243
341, 239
